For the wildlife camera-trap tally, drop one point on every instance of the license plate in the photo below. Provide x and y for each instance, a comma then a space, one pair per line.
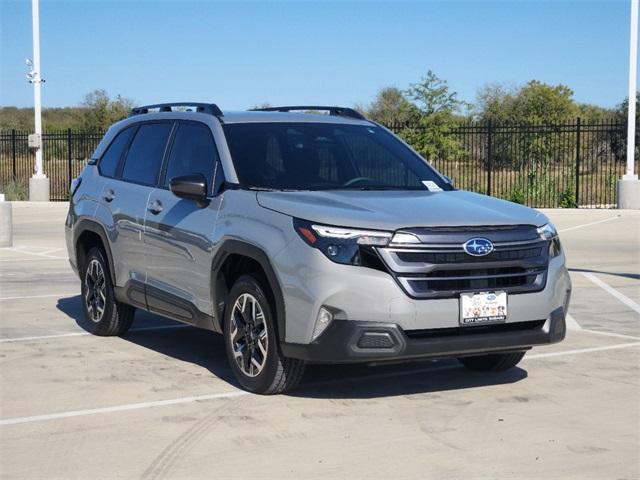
483, 308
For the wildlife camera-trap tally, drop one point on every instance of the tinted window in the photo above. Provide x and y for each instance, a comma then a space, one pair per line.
324, 156
378, 163
193, 151
111, 157
145, 154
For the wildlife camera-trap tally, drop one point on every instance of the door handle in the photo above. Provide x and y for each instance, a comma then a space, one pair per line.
155, 207
109, 196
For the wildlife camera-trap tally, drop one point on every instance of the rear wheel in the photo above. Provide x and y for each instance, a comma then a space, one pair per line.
104, 314
251, 341
494, 362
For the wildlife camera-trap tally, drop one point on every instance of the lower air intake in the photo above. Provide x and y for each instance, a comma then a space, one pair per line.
375, 340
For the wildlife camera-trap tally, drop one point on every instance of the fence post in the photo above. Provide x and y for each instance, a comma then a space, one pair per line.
489, 139
69, 179
578, 162
14, 154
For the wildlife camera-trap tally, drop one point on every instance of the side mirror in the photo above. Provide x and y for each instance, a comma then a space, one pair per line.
192, 187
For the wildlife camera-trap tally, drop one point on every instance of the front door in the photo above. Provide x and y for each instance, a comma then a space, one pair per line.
178, 231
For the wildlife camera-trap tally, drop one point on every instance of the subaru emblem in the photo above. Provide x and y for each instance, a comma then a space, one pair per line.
478, 247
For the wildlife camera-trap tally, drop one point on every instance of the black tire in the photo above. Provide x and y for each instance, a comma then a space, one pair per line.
116, 318
278, 373
494, 362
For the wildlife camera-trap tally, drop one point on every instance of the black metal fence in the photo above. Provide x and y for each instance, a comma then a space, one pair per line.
65, 153
564, 165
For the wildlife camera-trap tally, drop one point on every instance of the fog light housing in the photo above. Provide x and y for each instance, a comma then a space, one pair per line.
324, 318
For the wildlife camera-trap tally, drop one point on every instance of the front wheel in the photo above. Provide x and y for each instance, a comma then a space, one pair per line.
104, 314
494, 362
251, 341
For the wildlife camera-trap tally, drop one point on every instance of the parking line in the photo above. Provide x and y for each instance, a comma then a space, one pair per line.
571, 323
43, 255
588, 224
240, 393
46, 252
581, 350
83, 333
610, 334
623, 298
21, 260
120, 408
23, 297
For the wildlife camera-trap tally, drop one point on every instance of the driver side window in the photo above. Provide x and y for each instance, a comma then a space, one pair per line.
193, 152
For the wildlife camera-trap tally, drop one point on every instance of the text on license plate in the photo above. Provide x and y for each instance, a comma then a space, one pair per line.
482, 308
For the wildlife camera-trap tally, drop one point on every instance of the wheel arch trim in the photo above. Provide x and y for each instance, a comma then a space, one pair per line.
86, 225
239, 247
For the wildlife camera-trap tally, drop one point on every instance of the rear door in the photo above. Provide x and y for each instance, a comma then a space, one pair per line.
178, 231
126, 196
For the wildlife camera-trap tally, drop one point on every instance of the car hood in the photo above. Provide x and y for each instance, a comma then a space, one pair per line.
392, 210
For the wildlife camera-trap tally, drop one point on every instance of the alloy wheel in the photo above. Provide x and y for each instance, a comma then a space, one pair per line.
249, 339
95, 296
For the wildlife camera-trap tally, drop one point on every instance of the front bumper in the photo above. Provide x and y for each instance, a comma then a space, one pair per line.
347, 341
310, 281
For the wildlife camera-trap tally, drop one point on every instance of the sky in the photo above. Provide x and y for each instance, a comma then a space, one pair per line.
241, 54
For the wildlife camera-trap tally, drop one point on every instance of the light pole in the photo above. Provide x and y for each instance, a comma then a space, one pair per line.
629, 185
38, 183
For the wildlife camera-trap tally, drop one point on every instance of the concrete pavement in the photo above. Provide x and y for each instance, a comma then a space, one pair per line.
161, 402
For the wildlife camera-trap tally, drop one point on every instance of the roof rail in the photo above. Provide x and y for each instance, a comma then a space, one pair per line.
337, 111
210, 108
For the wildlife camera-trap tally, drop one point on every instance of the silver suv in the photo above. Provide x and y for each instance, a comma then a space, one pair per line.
307, 238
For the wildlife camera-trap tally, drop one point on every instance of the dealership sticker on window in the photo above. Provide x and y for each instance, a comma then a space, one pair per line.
431, 186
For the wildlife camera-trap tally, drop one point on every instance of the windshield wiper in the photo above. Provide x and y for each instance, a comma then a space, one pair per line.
269, 189
368, 187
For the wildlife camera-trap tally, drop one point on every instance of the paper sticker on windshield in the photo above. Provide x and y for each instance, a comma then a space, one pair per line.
431, 186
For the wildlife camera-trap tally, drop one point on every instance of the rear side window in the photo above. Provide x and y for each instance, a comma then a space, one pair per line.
193, 152
145, 154
111, 158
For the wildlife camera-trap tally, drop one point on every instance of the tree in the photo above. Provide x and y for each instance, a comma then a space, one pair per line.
593, 113
391, 107
619, 142
535, 102
52, 118
100, 111
261, 105
433, 96
494, 102
437, 105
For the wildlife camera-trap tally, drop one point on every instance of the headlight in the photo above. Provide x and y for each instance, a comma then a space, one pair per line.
549, 232
342, 245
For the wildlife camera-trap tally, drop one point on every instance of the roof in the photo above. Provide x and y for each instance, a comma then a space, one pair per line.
335, 114
258, 117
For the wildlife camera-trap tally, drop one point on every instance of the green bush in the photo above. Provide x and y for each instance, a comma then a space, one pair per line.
15, 190
516, 196
567, 199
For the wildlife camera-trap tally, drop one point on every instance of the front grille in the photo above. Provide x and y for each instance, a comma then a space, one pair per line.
462, 257
440, 268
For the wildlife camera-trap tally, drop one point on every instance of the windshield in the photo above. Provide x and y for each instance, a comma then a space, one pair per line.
324, 156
